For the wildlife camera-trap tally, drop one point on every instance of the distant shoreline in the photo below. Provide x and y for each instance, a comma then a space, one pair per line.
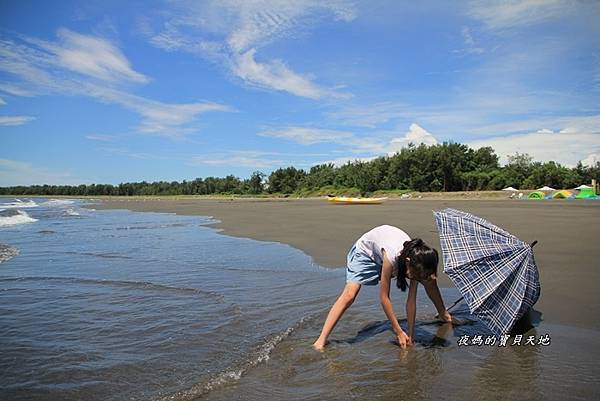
459, 195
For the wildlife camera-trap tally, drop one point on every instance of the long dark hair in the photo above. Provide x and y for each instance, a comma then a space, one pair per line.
423, 261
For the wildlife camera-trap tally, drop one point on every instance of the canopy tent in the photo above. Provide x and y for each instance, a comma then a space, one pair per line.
582, 187
536, 195
564, 194
546, 188
510, 189
586, 193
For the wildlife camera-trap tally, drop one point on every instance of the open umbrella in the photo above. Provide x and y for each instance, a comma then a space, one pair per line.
510, 189
494, 271
546, 188
583, 187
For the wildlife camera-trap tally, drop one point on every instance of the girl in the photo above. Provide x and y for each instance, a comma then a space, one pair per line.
378, 255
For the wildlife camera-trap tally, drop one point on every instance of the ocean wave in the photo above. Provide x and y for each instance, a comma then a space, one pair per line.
7, 252
138, 285
72, 212
19, 217
19, 204
57, 202
261, 353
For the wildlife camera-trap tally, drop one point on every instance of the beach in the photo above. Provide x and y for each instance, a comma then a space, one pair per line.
567, 233
221, 299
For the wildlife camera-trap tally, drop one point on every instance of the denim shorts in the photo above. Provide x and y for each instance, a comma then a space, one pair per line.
361, 269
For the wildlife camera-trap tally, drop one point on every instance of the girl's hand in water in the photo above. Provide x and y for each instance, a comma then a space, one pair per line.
404, 340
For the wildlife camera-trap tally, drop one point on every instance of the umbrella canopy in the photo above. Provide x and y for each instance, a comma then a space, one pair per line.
510, 189
494, 271
546, 188
583, 187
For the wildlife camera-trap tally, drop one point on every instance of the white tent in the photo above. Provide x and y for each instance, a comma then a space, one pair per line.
510, 189
583, 187
546, 188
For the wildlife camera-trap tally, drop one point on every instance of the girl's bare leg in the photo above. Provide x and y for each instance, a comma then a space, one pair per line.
337, 310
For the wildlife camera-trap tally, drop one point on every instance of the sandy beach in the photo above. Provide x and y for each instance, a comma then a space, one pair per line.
567, 235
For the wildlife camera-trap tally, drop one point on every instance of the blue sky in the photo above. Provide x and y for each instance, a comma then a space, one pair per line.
110, 91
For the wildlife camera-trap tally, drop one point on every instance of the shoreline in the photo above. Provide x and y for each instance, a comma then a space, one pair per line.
566, 231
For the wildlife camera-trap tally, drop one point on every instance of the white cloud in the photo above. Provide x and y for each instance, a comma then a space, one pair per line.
370, 116
276, 75
308, 136
15, 120
2, 102
591, 160
501, 14
566, 147
416, 135
13, 172
231, 32
92, 56
101, 138
238, 159
340, 161
14, 90
47, 68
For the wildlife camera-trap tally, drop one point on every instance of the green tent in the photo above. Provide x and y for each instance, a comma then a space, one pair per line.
536, 195
586, 193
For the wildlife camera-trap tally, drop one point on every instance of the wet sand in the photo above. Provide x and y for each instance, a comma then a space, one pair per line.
567, 233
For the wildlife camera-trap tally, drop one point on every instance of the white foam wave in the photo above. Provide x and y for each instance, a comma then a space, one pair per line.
19, 218
72, 212
18, 204
58, 202
7, 252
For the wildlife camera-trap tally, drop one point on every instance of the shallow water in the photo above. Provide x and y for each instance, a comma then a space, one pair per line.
114, 305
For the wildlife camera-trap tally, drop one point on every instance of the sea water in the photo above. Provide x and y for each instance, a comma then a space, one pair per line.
116, 305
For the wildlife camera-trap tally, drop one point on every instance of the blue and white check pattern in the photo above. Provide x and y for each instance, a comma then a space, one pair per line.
494, 271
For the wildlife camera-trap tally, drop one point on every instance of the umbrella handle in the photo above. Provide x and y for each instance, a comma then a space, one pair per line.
533, 243
452, 306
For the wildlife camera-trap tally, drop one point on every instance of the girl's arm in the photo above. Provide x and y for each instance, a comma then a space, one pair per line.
433, 292
386, 303
411, 308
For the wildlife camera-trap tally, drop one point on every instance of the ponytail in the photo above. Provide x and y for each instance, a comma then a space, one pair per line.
424, 261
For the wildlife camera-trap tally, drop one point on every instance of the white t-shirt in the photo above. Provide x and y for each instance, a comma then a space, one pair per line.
388, 238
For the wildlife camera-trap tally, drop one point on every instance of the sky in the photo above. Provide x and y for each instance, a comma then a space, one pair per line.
112, 91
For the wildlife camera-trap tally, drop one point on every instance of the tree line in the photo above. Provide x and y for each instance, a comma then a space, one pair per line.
442, 167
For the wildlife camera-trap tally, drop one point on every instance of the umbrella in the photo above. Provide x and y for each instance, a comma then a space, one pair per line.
583, 187
494, 271
545, 188
510, 189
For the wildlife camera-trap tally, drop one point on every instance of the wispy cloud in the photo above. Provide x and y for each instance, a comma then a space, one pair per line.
250, 159
371, 115
101, 138
14, 172
231, 32
567, 146
91, 56
2, 102
502, 14
308, 136
66, 67
15, 120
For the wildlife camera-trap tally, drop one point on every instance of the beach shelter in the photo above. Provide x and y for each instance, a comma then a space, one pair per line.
536, 195
511, 189
582, 187
494, 271
564, 194
546, 188
586, 193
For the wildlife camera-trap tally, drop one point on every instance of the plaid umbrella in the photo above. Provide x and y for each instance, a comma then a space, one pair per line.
494, 271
